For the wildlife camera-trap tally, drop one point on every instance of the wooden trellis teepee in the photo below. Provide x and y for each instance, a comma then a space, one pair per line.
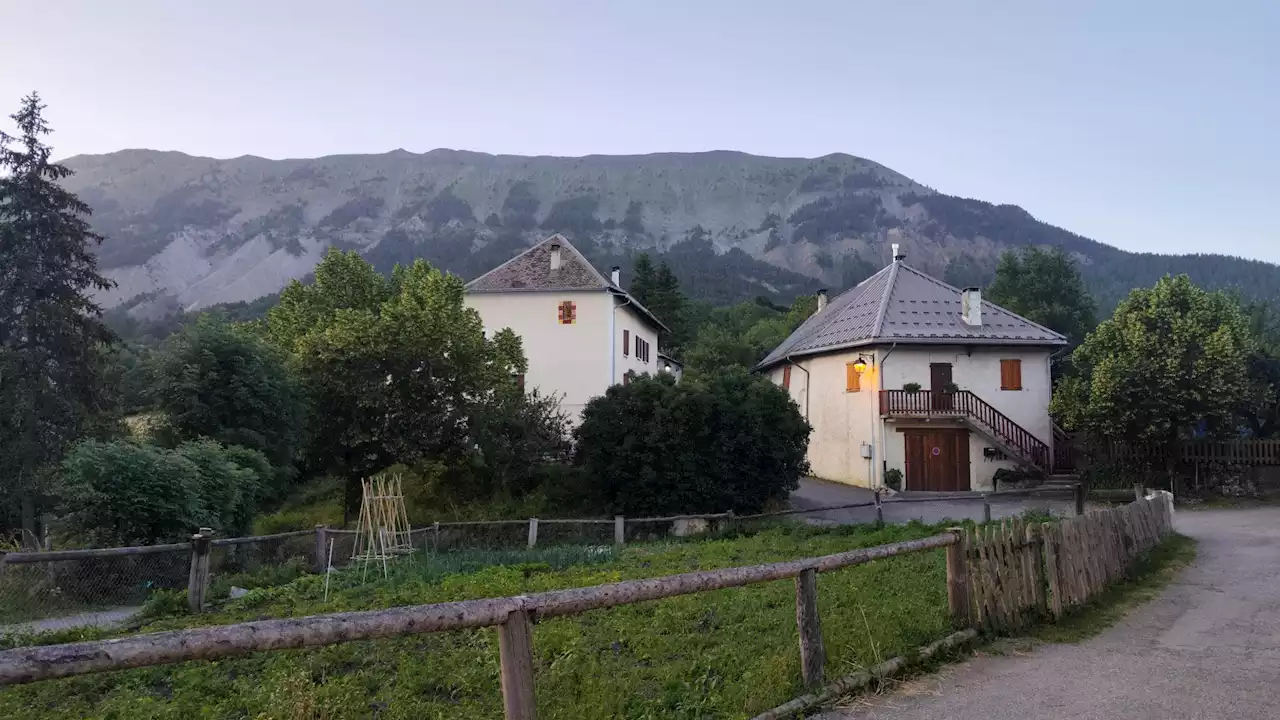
382, 533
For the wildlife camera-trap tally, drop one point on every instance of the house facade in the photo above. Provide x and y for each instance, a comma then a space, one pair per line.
907, 373
581, 331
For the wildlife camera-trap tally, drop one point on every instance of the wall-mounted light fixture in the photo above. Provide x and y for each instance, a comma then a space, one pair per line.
860, 365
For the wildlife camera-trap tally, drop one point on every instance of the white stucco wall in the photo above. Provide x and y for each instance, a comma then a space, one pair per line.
569, 361
842, 421
976, 370
628, 319
572, 362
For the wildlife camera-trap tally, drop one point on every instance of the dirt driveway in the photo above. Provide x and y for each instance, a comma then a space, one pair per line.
1208, 647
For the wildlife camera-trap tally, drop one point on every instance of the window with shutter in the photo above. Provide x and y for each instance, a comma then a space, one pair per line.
852, 380
626, 342
1011, 374
519, 380
568, 313
786, 377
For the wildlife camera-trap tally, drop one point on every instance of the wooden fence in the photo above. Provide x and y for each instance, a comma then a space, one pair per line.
998, 577
1015, 572
1231, 452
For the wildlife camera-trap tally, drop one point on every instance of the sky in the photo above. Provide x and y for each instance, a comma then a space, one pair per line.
1151, 126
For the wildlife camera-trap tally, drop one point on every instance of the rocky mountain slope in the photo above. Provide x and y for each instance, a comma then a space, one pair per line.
187, 232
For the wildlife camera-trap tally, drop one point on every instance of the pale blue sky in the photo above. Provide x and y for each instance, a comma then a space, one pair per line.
1147, 125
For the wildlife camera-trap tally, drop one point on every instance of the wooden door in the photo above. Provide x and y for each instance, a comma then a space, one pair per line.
939, 379
937, 460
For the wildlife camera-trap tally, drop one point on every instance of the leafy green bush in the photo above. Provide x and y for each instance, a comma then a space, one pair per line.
893, 479
125, 493
732, 441
165, 603
911, 387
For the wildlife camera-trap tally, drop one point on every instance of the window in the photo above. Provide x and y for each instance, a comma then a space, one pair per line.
852, 378
519, 380
642, 350
786, 377
1010, 374
568, 313
626, 342
627, 377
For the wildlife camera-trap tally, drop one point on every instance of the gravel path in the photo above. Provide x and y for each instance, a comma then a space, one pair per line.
1208, 647
103, 619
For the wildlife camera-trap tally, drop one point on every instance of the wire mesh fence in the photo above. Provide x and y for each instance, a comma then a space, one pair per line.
46, 584
68, 583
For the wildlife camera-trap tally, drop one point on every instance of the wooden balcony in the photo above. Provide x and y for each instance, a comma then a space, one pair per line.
962, 404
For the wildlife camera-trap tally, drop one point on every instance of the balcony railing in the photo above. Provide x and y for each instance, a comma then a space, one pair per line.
964, 404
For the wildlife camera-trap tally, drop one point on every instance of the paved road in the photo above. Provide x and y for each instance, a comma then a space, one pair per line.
820, 493
1208, 647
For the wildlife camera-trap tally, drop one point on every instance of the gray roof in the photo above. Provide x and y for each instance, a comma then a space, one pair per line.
902, 305
530, 271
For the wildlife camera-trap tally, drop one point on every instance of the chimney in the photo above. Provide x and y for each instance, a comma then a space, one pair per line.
897, 256
555, 257
822, 300
616, 276
971, 306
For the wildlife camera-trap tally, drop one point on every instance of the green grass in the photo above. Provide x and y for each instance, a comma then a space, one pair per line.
722, 654
1150, 574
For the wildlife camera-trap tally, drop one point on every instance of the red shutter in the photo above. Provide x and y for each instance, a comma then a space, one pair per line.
786, 377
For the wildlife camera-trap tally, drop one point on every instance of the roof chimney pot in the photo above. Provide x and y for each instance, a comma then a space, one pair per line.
971, 306
555, 257
616, 276
898, 256
822, 300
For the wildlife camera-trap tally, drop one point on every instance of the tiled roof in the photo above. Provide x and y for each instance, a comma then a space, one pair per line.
530, 271
903, 305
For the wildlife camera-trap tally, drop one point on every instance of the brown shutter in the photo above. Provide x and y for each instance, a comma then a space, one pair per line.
786, 377
1011, 374
852, 380
519, 381
626, 342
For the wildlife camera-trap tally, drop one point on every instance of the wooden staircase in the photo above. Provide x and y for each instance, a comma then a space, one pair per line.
1012, 439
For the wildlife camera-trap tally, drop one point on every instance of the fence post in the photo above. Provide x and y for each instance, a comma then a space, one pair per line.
958, 578
515, 648
813, 656
619, 530
986, 509
1138, 491
1079, 498
198, 578
533, 532
879, 511
322, 544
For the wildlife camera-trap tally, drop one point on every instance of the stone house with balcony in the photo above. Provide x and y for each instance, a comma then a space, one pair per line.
905, 372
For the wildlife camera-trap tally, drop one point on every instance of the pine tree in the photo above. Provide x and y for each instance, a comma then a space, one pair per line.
51, 331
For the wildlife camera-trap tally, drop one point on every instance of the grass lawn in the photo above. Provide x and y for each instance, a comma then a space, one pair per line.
723, 654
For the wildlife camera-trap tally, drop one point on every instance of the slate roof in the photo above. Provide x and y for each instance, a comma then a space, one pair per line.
903, 305
530, 271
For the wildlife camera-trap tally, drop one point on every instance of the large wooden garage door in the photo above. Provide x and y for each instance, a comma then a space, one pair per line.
937, 460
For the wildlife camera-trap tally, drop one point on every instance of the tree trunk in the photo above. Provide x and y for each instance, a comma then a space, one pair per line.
351, 499
30, 540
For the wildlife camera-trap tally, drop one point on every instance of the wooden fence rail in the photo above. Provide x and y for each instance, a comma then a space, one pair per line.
998, 578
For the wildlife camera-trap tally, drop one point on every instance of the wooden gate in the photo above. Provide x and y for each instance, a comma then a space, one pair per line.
937, 460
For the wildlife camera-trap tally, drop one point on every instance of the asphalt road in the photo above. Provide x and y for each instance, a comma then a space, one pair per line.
820, 493
1207, 647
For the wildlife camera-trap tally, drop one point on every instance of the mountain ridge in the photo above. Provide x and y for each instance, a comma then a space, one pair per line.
186, 231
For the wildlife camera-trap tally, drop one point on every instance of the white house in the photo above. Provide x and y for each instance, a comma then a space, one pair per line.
582, 332
909, 373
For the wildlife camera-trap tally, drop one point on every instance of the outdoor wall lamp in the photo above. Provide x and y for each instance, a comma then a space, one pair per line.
860, 365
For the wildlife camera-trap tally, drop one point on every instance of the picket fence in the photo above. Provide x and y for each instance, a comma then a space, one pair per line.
1017, 572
